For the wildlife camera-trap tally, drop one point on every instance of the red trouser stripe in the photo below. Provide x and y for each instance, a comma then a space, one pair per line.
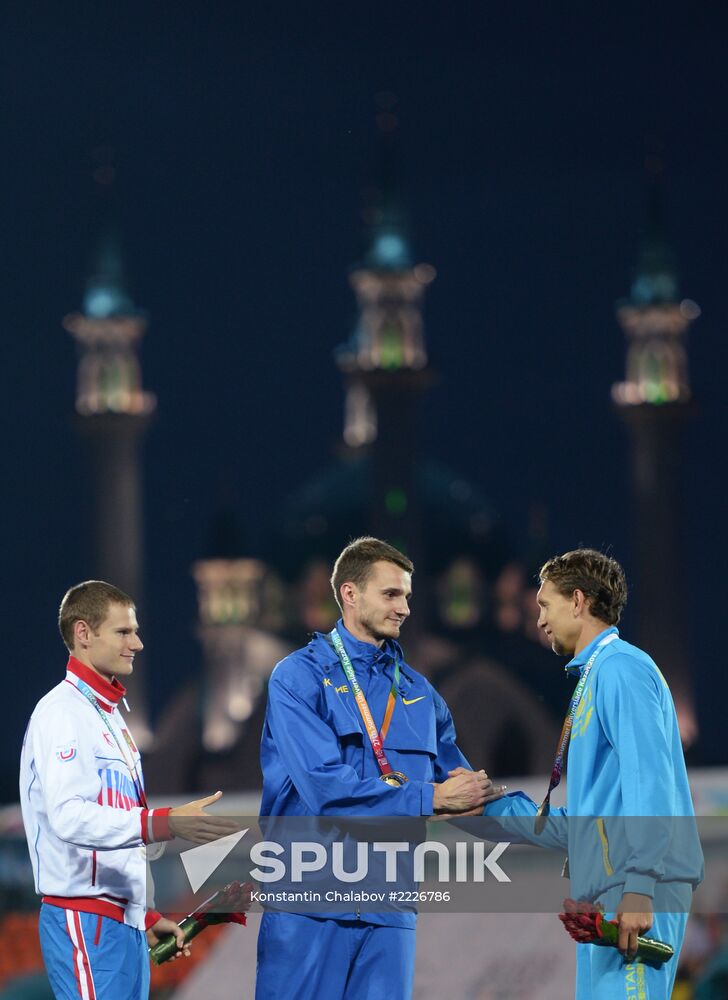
81, 964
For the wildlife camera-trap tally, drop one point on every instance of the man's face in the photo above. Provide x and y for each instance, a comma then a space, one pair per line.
111, 648
382, 604
556, 618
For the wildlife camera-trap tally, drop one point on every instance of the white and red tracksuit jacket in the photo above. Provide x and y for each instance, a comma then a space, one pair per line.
85, 819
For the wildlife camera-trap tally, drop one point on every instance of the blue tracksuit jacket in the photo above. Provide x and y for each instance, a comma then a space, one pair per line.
625, 760
315, 753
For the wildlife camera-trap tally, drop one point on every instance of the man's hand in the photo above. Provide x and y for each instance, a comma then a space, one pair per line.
464, 794
191, 822
161, 929
494, 791
634, 917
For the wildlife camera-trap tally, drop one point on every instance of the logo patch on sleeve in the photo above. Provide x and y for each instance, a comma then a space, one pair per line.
64, 754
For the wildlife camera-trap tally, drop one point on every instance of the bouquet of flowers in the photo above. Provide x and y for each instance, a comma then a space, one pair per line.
586, 924
226, 906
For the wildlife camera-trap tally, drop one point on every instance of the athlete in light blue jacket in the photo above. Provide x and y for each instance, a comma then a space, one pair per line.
630, 832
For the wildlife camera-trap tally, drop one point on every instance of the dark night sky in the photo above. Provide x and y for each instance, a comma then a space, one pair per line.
243, 138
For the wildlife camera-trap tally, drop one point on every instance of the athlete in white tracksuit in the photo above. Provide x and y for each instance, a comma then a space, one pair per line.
85, 810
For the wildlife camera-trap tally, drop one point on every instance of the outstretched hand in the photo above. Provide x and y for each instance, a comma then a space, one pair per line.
191, 822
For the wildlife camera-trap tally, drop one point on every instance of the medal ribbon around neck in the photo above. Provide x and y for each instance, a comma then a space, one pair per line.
388, 774
87, 692
545, 808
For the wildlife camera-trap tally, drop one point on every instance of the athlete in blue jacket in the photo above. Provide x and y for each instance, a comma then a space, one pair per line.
625, 761
318, 760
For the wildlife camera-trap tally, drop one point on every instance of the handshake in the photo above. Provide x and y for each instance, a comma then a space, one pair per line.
464, 793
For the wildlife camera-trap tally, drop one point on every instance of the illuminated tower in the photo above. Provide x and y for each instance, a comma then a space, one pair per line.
385, 362
113, 412
240, 603
655, 401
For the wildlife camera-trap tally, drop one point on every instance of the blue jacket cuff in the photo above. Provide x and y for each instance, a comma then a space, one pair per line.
643, 884
428, 794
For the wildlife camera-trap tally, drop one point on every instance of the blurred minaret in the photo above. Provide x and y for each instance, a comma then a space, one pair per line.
385, 362
655, 401
240, 603
113, 413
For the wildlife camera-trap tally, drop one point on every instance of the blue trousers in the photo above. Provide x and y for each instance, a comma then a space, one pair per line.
92, 957
604, 974
307, 958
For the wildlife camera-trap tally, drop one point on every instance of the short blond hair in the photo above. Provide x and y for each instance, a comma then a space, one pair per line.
89, 602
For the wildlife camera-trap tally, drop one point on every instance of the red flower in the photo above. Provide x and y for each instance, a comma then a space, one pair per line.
582, 920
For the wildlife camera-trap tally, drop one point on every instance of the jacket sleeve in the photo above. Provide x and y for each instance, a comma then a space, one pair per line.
448, 753
511, 817
630, 706
150, 919
515, 815
310, 754
64, 761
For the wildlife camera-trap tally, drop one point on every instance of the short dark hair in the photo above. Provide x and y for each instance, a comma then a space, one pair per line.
600, 577
89, 602
355, 563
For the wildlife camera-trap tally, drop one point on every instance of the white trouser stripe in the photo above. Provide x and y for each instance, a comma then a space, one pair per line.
82, 966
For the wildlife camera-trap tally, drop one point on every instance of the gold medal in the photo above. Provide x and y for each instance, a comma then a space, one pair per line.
394, 778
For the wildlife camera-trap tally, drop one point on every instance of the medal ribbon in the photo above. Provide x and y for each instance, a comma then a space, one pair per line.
545, 808
87, 692
375, 738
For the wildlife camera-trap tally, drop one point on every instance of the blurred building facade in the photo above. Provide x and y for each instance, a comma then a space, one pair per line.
473, 628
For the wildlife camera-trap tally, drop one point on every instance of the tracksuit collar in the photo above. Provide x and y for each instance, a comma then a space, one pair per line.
578, 663
366, 654
108, 693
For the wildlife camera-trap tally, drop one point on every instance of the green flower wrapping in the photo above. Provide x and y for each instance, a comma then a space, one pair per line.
227, 906
586, 924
